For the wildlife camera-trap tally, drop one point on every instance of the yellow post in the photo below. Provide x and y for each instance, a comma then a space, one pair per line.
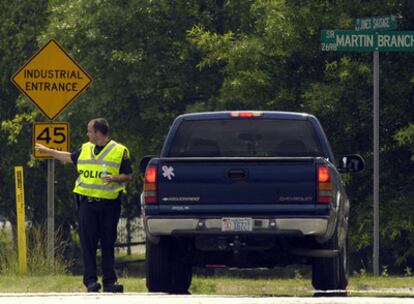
21, 225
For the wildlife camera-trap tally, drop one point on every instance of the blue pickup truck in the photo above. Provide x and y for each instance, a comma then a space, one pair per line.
245, 189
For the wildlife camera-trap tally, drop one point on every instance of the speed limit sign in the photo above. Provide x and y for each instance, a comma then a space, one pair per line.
52, 135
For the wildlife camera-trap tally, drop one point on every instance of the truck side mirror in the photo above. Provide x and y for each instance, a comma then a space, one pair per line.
351, 163
144, 163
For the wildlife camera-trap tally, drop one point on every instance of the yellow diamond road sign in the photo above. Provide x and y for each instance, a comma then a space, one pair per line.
51, 79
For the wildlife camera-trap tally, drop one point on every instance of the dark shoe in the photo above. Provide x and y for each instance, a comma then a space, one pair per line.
94, 287
115, 287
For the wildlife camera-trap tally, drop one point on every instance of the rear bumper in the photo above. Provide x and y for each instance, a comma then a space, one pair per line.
157, 226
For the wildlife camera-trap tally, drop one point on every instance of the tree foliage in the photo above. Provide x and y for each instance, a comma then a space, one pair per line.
22, 22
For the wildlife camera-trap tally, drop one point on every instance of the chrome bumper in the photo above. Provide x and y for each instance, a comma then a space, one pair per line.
188, 226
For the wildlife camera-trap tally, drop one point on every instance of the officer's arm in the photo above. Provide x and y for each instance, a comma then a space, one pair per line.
60, 155
125, 174
121, 178
124, 178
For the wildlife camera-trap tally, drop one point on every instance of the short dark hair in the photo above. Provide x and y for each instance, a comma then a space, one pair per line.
101, 125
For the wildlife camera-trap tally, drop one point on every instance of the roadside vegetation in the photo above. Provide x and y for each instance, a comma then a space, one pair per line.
37, 262
65, 276
215, 285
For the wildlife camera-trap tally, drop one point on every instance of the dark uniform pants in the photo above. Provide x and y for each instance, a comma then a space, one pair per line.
98, 221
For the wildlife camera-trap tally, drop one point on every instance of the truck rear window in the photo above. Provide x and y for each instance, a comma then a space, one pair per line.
245, 138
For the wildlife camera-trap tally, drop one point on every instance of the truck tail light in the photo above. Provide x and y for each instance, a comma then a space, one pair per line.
150, 185
324, 185
244, 114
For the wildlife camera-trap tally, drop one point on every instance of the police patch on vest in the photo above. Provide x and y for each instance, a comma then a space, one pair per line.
91, 173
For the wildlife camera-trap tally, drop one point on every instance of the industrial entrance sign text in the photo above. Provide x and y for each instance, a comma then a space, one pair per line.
51, 79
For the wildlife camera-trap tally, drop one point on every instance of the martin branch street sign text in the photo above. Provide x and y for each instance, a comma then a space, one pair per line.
347, 41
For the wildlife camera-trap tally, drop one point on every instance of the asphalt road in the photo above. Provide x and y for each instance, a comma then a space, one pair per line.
141, 298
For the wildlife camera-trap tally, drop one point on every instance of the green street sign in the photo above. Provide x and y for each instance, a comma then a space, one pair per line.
356, 41
376, 23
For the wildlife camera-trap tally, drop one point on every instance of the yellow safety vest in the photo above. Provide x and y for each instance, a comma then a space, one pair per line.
89, 166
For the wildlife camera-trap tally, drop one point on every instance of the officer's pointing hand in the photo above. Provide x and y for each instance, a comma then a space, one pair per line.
41, 148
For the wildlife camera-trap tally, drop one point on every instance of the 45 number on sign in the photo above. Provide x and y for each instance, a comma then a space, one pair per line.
59, 135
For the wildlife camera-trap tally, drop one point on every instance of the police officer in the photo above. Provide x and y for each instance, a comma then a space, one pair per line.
104, 168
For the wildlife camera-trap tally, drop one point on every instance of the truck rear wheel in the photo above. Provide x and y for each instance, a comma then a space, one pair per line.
157, 265
165, 269
344, 268
181, 275
331, 273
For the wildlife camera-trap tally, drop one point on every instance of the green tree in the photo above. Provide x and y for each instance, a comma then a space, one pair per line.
276, 64
22, 22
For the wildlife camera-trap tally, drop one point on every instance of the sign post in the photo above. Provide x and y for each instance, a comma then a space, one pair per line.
371, 35
21, 219
51, 212
51, 79
375, 253
54, 136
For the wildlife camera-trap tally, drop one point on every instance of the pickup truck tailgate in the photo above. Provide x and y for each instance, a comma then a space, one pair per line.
205, 181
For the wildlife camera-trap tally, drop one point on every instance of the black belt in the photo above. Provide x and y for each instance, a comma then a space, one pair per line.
93, 199
90, 199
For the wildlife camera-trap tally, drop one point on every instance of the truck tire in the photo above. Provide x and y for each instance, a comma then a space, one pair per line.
344, 268
157, 266
165, 269
181, 275
331, 273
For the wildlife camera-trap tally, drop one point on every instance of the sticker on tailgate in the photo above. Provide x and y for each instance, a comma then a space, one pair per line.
168, 172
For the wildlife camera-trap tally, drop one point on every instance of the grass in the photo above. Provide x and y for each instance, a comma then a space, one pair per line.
276, 282
370, 285
358, 286
40, 283
215, 285
251, 287
57, 283
37, 261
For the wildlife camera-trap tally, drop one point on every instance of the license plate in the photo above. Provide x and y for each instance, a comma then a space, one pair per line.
236, 224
